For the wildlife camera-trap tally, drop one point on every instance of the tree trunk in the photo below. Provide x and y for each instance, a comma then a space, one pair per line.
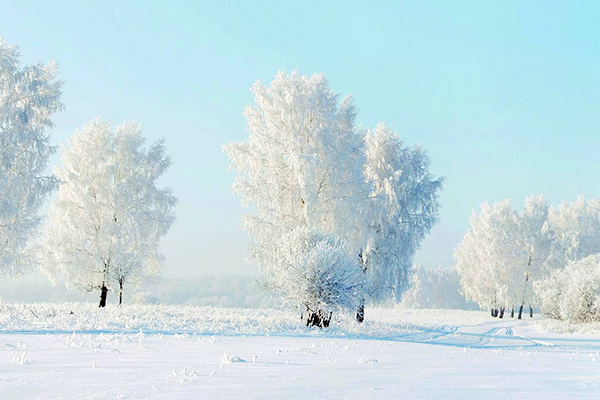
512, 313
318, 318
121, 291
530, 312
103, 295
502, 312
360, 313
492, 312
520, 312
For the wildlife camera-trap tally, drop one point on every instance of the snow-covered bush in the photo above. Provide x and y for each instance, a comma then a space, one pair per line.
548, 293
572, 294
319, 276
435, 288
28, 97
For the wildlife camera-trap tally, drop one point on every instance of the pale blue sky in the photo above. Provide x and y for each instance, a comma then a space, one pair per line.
503, 95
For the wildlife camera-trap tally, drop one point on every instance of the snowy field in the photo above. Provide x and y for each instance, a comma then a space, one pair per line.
169, 352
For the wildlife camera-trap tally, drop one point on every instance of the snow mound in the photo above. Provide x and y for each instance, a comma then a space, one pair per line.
225, 359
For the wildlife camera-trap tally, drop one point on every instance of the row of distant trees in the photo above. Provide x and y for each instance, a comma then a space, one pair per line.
337, 212
109, 216
545, 257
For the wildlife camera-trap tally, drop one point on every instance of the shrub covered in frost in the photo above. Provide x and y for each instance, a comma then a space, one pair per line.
572, 294
319, 276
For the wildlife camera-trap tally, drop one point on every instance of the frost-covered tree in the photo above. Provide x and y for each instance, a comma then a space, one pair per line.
28, 97
301, 169
109, 216
486, 255
534, 238
404, 196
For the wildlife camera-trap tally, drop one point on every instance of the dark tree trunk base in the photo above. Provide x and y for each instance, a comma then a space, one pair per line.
120, 292
319, 319
103, 295
530, 312
501, 313
360, 314
520, 313
512, 313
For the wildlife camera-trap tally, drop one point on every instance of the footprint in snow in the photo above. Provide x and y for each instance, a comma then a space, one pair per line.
369, 361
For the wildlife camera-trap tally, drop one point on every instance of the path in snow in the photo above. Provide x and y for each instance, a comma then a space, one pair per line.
502, 334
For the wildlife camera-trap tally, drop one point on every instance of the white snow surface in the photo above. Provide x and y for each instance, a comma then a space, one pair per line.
171, 352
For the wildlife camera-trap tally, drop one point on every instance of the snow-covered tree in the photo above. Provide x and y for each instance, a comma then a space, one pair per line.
109, 216
533, 237
404, 208
301, 169
486, 255
28, 97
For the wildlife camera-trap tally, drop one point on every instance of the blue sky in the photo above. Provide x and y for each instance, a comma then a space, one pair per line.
503, 95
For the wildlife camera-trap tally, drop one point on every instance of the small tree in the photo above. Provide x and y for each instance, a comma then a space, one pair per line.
533, 237
28, 98
486, 256
109, 216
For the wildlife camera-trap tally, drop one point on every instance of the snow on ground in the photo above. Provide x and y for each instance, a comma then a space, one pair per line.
212, 353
